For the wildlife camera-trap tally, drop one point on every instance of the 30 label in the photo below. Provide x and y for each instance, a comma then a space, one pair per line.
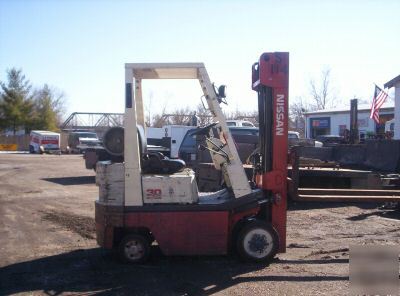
153, 193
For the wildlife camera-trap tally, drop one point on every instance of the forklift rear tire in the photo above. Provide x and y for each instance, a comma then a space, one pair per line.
134, 248
257, 241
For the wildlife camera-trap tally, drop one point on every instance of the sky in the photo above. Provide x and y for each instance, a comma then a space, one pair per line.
80, 47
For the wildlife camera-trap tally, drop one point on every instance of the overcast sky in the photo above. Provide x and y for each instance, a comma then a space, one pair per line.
80, 47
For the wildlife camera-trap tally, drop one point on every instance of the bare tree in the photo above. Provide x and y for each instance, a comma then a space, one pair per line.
204, 115
361, 101
148, 107
181, 116
297, 111
251, 116
321, 93
185, 116
159, 120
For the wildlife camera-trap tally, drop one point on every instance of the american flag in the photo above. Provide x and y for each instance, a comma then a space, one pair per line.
377, 102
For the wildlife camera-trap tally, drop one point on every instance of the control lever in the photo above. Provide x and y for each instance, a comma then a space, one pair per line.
218, 150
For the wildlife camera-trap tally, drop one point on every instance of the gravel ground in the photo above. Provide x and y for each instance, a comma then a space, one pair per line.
47, 244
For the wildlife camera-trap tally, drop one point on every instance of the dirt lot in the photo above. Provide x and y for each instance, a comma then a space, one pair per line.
47, 243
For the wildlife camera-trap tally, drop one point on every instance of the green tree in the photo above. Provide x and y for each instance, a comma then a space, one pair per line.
16, 104
48, 108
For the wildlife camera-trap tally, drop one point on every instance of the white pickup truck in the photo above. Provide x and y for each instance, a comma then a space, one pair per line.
80, 141
240, 123
294, 139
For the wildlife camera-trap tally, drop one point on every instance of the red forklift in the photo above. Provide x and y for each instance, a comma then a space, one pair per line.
149, 199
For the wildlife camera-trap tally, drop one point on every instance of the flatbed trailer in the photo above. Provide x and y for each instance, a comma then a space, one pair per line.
331, 183
347, 195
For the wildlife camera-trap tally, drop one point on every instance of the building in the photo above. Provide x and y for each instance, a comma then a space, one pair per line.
395, 82
336, 121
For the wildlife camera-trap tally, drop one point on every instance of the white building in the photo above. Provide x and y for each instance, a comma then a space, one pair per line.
336, 121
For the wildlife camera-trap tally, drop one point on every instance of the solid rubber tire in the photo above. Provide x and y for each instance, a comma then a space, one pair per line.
249, 226
143, 240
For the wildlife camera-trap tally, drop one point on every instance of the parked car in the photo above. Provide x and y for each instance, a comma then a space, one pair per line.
294, 139
293, 135
239, 123
246, 139
330, 140
44, 142
78, 142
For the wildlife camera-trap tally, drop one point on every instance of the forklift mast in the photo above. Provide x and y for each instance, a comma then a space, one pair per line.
270, 78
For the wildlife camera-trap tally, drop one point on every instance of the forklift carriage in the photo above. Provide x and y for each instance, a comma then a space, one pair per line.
149, 198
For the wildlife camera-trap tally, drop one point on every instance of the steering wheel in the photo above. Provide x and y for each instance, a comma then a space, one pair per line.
204, 130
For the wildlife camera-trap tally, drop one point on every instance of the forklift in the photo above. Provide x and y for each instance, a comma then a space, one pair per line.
149, 199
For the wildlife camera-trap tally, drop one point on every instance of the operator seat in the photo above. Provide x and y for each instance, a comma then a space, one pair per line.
151, 162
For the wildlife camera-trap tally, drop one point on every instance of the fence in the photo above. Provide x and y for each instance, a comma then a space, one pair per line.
22, 141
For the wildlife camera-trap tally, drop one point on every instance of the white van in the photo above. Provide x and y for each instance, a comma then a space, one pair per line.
44, 141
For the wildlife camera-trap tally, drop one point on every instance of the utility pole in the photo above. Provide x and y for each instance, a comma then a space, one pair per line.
354, 136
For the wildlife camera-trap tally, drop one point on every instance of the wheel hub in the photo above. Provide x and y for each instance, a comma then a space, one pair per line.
134, 250
258, 243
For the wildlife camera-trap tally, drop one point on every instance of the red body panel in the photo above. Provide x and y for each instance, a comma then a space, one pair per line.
51, 141
43, 140
176, 232
185, 233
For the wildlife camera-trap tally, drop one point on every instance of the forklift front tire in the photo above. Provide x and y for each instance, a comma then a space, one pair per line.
134, 248
257, 241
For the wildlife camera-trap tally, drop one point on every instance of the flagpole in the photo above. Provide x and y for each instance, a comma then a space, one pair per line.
386, 90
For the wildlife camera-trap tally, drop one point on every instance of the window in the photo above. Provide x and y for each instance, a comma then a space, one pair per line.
244, 131
189, 140
87, 135
320, 126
